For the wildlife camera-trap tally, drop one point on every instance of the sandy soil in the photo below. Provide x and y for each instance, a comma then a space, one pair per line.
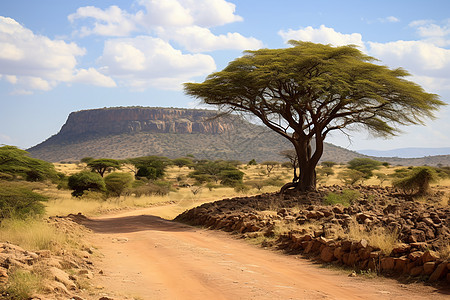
146, 257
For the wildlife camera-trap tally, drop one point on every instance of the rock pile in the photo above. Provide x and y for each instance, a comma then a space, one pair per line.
423, 228
63, 273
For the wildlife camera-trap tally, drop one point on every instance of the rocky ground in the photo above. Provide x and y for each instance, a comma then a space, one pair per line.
319, 231
63, 273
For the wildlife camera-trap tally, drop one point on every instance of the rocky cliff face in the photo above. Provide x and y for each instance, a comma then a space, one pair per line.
142, 119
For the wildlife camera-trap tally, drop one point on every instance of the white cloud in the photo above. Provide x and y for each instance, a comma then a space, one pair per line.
200, 39
390, 19
418, 57
92, 76
178, 13
158, 63
323, 35
34, 62
433, 33
109, 22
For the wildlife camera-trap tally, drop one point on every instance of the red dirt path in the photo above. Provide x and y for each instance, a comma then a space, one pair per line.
146, 257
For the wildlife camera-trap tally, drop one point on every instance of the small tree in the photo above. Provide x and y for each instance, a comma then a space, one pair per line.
364, 165
328, 164
351, 177
151, 167
182, 162
291, 155
85, 181
103, 165
270, 165
309, 90
16, 162
252, 162
418, 181
18, 200
231, 177
116, 183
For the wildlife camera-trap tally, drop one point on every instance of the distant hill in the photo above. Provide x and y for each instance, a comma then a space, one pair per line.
407, 152
126, 132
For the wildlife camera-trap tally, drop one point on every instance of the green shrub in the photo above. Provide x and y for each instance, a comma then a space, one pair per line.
231, 177
252, 163
18, 200
364, 165
417, 181
116, 183
346, 198
17, 163
84, 181
351, 177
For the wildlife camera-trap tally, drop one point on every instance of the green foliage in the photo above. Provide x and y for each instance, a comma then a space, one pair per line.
346, 198
86, 160
181, 162
252, 162
150, 167
328, 164
327, 171
364, 165
351, 177
208, 171
116, 183
306, 91
241, 188
18, 200
417, 181
103, 165
85, 181
17, 163
231, 177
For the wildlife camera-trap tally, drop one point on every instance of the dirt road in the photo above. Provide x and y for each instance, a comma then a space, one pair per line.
146, 257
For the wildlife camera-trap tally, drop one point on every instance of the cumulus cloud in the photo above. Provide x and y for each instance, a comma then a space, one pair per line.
437, 34
206, 13
419, 57
35, 62
146, 61
323, 35
112, 21
201, 39
186, 22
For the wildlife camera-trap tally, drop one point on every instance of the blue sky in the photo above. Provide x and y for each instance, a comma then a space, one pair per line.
62, 56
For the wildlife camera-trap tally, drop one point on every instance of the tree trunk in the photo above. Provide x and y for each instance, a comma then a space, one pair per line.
307, 167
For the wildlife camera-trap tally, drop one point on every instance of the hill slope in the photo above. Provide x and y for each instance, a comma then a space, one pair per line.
126, 132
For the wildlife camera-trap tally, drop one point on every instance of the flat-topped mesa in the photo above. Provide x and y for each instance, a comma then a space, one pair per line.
143, 119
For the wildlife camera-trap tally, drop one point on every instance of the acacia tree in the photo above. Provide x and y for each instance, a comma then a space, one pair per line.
306, 91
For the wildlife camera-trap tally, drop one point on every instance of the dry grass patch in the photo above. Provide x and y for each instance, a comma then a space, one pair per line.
32, 234
379, 237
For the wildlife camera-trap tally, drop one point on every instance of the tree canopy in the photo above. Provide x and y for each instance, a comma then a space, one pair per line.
16, 162
103, 165
306, 91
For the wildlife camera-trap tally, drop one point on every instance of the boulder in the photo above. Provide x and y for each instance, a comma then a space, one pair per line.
440, 271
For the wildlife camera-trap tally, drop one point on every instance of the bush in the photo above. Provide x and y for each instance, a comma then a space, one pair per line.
231, 177
252, 163
346, 198
18, 200
85, 181
116, 183
17, 163
417, 181
351, 177
364, 165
